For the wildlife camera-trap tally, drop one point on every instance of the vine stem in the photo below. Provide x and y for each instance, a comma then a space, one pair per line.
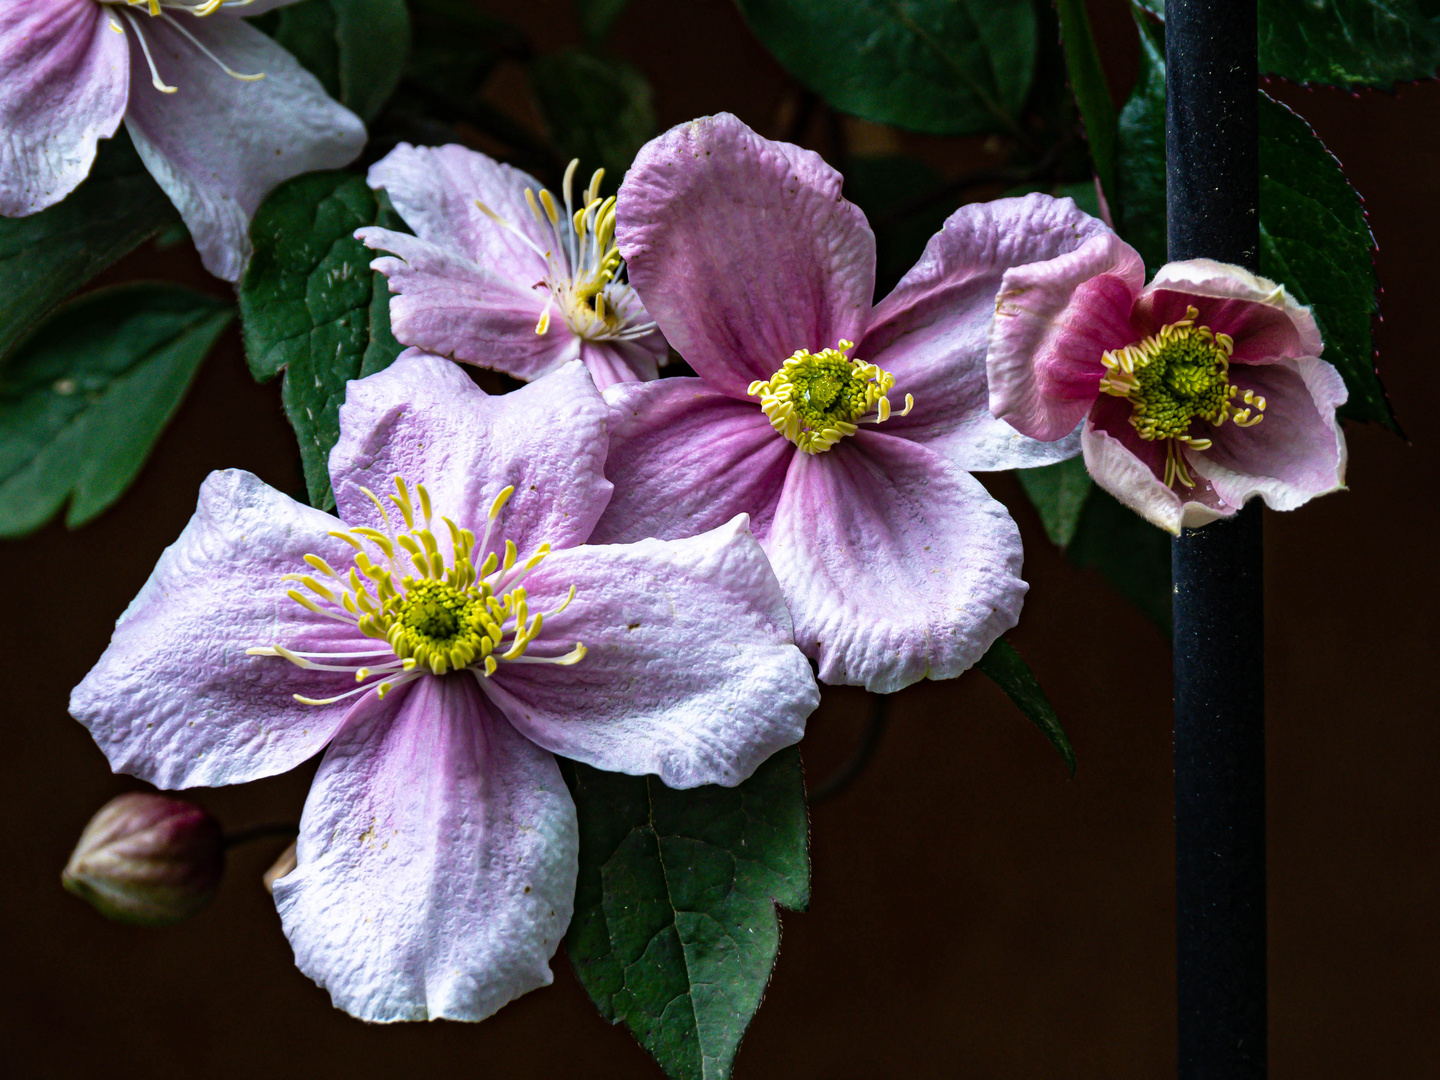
287, 829
860, 757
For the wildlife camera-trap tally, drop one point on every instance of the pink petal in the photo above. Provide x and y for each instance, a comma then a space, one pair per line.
684, 459
174, 700
1053, 321
612, 362
218, 145
423, 419
1296, 453
743, 249
691, 672
436, 863
436, 190
1261, 316
931, 333
897, 565
64, 77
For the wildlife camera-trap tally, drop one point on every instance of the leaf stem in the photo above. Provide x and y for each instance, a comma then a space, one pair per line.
864, 751
287, 829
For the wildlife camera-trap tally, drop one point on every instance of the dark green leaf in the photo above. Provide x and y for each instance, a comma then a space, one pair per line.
1007, 669
599, 111
47, 256
1059, 492
1349, 42
1132, 554
1140, 153
675, 929
313, 308
894, 193
598, 16
84, 400
948, 67
356, 48
454, 48
1314, 239
1092, 93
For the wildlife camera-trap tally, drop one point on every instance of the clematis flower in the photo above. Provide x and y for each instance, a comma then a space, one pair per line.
1197, 392
847, 432
441, 644
219, 113
500, 275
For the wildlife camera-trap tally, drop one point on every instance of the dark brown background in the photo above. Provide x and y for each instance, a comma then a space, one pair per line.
975, 912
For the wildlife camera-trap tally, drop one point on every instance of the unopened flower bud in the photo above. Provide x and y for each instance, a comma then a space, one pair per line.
283, 865
147, 859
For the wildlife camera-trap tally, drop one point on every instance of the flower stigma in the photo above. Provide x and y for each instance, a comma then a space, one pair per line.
817, 399
582, 262
160, 9
434, 619
1173, 378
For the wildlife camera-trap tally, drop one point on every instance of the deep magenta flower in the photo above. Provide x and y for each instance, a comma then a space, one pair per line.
847, 432
440, 661
500, 275
1197, 392
219, 113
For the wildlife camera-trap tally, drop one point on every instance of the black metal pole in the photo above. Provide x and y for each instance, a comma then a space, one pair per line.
1212, 177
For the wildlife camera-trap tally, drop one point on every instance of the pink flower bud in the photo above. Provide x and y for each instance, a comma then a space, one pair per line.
147, 859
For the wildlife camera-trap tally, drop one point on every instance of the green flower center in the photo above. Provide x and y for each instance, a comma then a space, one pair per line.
1172, 379
817, 399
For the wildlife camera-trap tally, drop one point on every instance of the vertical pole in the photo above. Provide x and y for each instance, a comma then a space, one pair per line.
1212, 177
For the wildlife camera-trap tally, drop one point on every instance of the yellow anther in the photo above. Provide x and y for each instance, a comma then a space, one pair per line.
510, 554
548, 201
424, 502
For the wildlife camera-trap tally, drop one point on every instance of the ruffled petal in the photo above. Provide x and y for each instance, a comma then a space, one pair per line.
436, 863
423, 419
684, 459
743, 249
1053, 322
174, 700
64, 78
1296, 453
897, 565
219, 145
436, 190
932, 332
611, 362
691, 672
1261, 316
449, 305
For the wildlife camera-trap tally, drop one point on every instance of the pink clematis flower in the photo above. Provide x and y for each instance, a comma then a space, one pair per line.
437, 856
499, 275
219, 113
1197, 392
896, 563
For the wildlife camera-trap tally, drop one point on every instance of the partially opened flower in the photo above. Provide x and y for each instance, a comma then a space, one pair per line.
219, 113
443, 640
1197, 392
500, 275
847, 432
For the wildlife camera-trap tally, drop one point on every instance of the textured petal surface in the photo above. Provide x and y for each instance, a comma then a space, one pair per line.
898, 566
932, 332
174, 700
64, 77
613, 362
1296, 453
435, 189
219, 145
684, 458
743, 249
1261, 316
691, 671
436, 863
1053, 322
423, 419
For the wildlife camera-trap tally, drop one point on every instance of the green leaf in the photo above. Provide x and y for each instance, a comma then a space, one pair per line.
1132, 554
675, 928
894, 191
1349, 42
454, 49
599, 111
1092, 93
82, 403
312, 307
1007, 669
1059, 492
598, 16
47, 256
947, 67
1140, 153
356, 48
1314, 239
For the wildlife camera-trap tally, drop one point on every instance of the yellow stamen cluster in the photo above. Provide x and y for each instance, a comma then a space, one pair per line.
817, 399
1173, 378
